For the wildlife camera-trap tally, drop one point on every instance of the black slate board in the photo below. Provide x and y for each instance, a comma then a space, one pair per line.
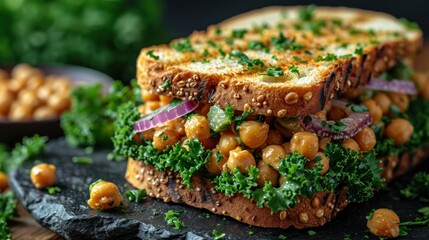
67, 213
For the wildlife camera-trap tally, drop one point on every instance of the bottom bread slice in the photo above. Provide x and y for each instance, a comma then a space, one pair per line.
309, 212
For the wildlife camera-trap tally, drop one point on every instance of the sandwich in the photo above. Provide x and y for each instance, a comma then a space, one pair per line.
279, 117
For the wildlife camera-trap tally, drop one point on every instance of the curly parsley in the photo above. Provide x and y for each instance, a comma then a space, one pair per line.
172, 219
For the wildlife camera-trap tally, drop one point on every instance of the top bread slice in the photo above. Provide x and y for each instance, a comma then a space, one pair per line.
307, 58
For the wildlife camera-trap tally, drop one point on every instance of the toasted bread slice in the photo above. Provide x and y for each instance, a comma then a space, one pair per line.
279, 61
309, 212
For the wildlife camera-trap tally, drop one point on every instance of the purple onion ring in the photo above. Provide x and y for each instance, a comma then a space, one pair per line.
399, 86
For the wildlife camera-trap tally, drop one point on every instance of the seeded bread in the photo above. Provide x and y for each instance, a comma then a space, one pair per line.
364, 44
309, 212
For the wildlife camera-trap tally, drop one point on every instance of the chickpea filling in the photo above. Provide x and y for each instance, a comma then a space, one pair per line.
263, 143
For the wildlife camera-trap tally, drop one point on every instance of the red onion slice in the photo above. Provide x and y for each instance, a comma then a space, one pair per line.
399, 86
172, 111
352, 124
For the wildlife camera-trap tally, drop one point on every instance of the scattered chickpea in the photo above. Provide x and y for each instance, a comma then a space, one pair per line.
4, 183
351, 144
241, 159
383, 101
375, 111
104, 195
197, 127
164, 138
306, 143
399, 130
402, 101
253, 133
216, 162
366, 139
384, 223
266, 174
43, 175
227, 142
272, 154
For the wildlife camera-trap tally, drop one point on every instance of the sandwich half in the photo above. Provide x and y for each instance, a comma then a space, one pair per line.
278, 117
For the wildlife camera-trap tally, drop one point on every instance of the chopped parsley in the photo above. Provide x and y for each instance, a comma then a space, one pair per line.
218, 31
300, 60
239, 119
229, 41
183, 46
311, 232
282, 43
243, 59
205, 53
166, 84
82, 160
275, 71
354, 31
53, 190
294, 69
335, 127
282, 237
219, 157
306, 14
359, 108
409, 24
370, 215
329, 57
337, 21
345, 56
136, 195
217, 46
238, 33
172, 219
150, 54
257, 45
217, 235
359, 50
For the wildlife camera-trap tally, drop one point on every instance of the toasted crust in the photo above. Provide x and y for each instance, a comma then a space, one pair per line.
225, 82
309, 212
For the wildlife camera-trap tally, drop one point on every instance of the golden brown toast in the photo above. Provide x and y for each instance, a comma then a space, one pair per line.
279, 61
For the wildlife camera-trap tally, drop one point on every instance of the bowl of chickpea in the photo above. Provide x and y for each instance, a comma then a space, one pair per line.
32, 99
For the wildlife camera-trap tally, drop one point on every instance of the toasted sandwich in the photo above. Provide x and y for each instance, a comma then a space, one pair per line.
279, 117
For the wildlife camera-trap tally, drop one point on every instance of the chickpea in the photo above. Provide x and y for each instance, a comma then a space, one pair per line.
324, 160
148, 96
241, 159
29, 98
197, 127
203, 109
44, 112
274, 137
399, 130
351, 144
59, 102
4, 75
266, 174
104, 195
148, 134
43, 175
34, 82
6, 99
383, 101
366, 139
151, 106
375, 111
287, 127
4, 183
336, 113
210, 143
322, 115
216, 161
253, 133
164, 138
43, 92
20, 112
306, 143
282, 179
323, 142
286, 147
424, 90
353, 93
60, 85
401, 100
16, 85
165, 100
384, 223
227, 142
178, 125
272, 154
21, 71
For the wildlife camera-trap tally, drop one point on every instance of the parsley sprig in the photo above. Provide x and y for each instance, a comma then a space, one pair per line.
282, 43
243, 59
172, 219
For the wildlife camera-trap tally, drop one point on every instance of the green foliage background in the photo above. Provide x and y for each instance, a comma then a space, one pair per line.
106, 35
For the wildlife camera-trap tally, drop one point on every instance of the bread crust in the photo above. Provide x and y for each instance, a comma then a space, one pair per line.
280, 100
309, 212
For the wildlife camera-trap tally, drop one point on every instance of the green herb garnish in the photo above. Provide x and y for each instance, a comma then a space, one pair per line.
370, 215
359, 108
53, 190
136, 195
183, 46
418, 187
257, 45
282, 43
166, 84
306, 14
300, 60
218, 235
7, 211
243, 59
152, 55
409, 24
329, 57
311, 232
82, 160
238, 33
172, 219
359, 50
275, 71
294, 69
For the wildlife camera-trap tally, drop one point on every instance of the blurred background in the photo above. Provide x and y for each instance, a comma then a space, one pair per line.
107, 35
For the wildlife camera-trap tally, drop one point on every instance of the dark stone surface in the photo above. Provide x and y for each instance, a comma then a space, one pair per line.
68, 214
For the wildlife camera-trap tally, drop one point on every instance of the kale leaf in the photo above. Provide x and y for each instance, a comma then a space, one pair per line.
172, 219
236, 181
418, 187
136, 195
7, 211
